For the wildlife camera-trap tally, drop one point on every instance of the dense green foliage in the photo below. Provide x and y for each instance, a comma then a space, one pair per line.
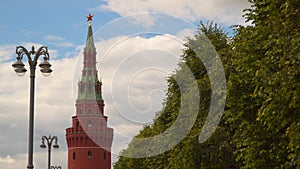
261, 124
264, 90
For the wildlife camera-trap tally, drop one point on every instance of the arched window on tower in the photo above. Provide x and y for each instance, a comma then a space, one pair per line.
89, 155
90, 123
104, 155
74, 155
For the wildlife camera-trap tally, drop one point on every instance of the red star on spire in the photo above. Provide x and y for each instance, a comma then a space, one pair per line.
89, 17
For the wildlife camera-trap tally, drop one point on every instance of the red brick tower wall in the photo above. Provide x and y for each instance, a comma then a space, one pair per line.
92, 150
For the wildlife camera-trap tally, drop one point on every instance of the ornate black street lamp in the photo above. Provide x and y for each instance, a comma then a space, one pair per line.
55, 167
20, 70
49, 144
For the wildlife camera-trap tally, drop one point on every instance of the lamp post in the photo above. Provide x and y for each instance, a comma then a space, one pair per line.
55, 167
20, 70
49, 144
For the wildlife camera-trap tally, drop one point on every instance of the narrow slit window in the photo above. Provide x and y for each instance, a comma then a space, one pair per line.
74, 155
89, 155
90, 123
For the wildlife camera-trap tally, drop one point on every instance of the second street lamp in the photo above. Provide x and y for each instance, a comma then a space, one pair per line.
49, 141
20, 70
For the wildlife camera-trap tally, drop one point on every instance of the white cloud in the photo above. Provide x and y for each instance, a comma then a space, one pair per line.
225, 11
6, 52
6, 160
133, 71
58, 41
183, 34
65, 44
54, 38
40, 160
28, 33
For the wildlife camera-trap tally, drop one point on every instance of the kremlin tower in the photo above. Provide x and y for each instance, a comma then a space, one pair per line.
89, 139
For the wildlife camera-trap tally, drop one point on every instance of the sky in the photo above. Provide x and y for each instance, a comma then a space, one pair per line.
139, 43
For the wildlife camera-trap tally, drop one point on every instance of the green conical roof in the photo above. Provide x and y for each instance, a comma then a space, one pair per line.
89, 85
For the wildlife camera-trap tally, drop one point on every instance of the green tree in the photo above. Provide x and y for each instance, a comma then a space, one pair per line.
261, 124
264, 89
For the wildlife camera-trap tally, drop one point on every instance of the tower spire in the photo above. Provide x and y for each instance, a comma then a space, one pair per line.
89, 86
90, 39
